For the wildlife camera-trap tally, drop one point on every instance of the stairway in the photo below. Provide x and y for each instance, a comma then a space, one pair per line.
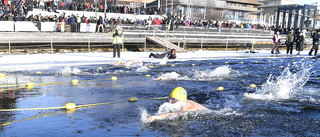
165, 43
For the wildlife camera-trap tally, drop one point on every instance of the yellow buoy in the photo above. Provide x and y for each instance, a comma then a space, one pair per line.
281, 60
100, 68
220, 88
281, 67
150, 66
226, 62
253, 85
30, 85
292, 60
297, 66
264, 68
210, 63
2, 75
241, 62
38, 72
269, 60
147, 75
310, 65
114, 78
133, 99
256, 61
127, 67
178, 75
70, 106
312, 59
172, 65
192, 64
75, 81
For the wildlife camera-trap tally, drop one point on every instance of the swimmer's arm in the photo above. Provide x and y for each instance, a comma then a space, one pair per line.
161, 116
162, 78
128, 63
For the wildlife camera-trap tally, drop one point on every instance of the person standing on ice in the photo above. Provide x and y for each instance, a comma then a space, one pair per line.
289, 41
299, 43
117, 41
316, 38
276, 42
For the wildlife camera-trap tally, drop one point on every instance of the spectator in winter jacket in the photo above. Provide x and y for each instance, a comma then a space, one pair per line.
276, 42
315, 38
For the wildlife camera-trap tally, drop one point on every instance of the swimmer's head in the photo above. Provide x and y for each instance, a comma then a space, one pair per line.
178, 94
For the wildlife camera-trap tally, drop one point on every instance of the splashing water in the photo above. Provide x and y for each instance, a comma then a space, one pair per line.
67, 71
142, 69
171, 108
286, 86
168, 76
144, 115
223, 71
163, 61
218, 73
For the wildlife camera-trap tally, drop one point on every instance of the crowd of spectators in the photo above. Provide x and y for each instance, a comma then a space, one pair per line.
17, 10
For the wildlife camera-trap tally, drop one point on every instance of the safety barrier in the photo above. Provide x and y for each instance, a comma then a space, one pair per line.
91, 27
48, 26
25, 27
7, 26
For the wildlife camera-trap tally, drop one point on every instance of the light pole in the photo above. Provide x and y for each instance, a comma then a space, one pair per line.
105, 9
171, 7
166, 6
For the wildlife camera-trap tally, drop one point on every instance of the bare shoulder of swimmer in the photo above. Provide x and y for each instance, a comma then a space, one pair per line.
193, 106
162, 78
128, 63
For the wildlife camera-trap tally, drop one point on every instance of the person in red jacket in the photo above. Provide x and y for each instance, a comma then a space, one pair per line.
89, 7
276, 42
101, 8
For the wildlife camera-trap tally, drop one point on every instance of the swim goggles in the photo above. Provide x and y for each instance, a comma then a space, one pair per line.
173, 100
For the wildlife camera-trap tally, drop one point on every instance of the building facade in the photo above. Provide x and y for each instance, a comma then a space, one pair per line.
269, 10
229, 10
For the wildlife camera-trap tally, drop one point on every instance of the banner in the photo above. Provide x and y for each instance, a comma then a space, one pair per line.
48, 26
25, 26
91, 27
6, 25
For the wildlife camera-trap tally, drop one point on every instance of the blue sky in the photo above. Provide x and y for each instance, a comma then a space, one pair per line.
306, 1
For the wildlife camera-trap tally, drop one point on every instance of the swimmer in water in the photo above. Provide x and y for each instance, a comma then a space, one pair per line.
130, 63
168, 76
178, 101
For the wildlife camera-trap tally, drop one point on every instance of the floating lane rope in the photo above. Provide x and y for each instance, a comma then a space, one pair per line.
30, 85
39, 116
68, 106
73, 106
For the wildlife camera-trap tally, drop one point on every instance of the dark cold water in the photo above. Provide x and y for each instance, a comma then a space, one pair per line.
286, 101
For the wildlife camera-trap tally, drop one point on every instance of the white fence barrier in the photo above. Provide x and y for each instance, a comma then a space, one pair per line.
91, 27
48, 26
26, 26
6, 25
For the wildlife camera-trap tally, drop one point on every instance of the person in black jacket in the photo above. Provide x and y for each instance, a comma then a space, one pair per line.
72, 22
299, 42
315, 37
100, 24
170, 55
